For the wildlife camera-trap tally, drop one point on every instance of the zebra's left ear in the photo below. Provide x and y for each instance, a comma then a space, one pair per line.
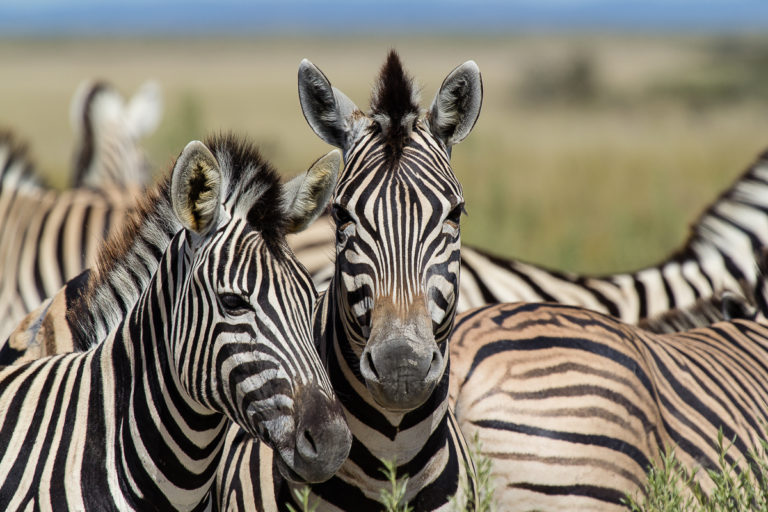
456, 106
306, 195
195, 186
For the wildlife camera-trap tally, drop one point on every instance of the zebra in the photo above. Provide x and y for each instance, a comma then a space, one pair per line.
723, 305
382, 325
84, 311
107, 132
48, 236
220, 332
718, 255
572, 406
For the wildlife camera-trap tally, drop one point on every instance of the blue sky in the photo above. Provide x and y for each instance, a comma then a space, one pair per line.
126, 17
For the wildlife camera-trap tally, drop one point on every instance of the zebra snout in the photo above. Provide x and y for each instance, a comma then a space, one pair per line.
322, 437
400, 373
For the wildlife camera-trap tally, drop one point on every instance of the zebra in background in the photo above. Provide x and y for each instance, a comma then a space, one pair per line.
724, 305
137, 422
49, 236
718, 255
382, 325
107, 133
46, 236
573, 406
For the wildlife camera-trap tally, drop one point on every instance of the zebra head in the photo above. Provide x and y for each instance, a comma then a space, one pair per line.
396, 207
244, 293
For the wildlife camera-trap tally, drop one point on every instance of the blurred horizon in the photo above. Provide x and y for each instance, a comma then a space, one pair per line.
606, 127
177, 18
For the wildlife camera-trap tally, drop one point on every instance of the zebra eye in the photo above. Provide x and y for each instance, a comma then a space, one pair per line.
453, 219
341, 216
234, 304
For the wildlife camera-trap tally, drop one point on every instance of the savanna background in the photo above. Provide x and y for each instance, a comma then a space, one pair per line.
597, 146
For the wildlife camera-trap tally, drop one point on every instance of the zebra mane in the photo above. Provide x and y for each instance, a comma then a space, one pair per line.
130, 257
395, 104
16, 167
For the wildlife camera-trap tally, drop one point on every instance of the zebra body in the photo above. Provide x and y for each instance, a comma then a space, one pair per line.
47, 236
382, 325
573, 406
221, 330
717, 256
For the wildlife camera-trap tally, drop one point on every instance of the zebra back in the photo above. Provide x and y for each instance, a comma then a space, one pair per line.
572, 406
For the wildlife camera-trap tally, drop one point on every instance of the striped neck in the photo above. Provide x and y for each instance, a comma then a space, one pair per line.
164, 446
123, 270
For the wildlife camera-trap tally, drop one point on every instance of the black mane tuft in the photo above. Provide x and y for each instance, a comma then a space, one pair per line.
251, 173
394, 104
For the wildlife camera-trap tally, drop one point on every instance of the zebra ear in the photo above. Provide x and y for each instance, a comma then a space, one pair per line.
456, 106
195, 186
327, 110
143, 112
306, 196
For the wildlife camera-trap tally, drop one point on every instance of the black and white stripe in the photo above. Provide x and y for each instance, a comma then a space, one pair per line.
220, 330
382, 325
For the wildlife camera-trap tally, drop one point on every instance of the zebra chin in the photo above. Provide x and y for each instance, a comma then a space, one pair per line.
310, 445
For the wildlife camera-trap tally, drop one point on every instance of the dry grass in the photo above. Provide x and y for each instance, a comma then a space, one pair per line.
600, 185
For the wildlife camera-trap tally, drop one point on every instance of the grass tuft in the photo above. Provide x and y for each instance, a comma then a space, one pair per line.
672, 487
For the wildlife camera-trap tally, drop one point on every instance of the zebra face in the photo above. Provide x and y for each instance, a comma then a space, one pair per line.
397, 250
243, 344
396, 209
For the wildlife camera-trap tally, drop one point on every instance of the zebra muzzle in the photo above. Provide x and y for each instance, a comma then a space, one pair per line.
401, 373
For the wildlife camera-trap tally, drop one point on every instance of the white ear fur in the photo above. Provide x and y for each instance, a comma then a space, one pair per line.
456, 106
327, 110
306, 195
143, 112
195, 188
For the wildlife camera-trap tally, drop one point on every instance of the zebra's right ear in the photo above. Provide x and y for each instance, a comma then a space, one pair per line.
306, 196
195, 186
328, 111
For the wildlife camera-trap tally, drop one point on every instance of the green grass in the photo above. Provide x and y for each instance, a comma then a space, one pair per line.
672, 486
393, 498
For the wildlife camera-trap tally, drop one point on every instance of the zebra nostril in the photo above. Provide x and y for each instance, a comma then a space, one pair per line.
371, 366
307, 446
